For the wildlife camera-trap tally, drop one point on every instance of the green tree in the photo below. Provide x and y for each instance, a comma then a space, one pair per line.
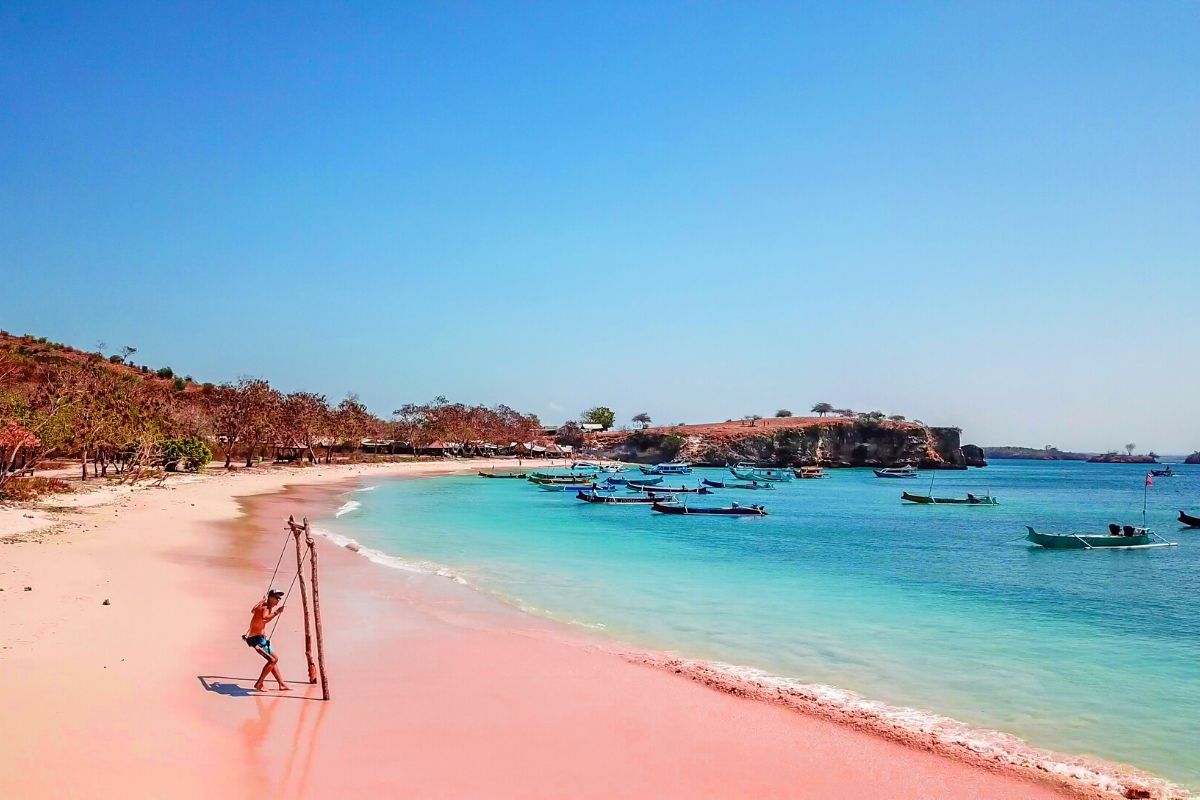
165, 372
190, 454
821, 409
783, 412
643, 420
599, 415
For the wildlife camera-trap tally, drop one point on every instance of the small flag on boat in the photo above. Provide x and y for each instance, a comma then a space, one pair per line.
1149, 478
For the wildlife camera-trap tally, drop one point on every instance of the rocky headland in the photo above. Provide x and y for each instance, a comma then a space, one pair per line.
795, 441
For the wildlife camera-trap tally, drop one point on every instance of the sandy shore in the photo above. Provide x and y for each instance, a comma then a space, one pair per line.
438, 691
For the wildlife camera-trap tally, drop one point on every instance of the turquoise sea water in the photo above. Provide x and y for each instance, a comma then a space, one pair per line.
932, 607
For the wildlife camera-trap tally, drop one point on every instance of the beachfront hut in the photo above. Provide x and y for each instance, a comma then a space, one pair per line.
530, 450
441, 448
291, 452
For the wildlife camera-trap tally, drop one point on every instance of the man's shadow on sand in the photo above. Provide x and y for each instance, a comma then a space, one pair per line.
232, 687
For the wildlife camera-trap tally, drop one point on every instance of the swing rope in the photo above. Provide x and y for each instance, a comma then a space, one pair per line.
278, 561
289, 592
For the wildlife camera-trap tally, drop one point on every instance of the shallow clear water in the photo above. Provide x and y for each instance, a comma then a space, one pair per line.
933, 607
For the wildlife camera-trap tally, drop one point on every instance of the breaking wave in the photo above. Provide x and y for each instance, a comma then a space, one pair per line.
388, 560
348, 507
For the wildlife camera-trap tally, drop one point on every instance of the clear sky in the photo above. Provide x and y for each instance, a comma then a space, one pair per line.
976, 214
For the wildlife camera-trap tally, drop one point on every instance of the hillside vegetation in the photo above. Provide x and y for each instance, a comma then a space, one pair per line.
116, 417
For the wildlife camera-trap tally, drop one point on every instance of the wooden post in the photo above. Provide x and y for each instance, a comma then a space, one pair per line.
316, 593
312, 667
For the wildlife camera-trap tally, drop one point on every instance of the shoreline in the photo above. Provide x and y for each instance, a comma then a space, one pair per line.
1076, 775
408, 615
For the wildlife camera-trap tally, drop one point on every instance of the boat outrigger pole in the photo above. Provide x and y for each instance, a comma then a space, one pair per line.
1145, 492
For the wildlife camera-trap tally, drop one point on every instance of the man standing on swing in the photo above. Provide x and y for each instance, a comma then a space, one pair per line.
256, 637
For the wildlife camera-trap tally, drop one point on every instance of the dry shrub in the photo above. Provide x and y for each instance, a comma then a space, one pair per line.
20, 489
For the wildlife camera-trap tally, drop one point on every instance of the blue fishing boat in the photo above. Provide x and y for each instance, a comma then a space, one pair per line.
639, 481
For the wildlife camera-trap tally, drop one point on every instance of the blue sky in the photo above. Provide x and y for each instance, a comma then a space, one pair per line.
982, 215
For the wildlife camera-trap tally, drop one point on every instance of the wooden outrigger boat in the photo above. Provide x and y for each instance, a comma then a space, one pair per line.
670, 489
516, 475
896, 472
1189, 520
549, 477
732, 511
618, 500
969, 500
575, 487
730, 485
638, 481
749, 472
592, 466
667, 469
1128, 537
808, 473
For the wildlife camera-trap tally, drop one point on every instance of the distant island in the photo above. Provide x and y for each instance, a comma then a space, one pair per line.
1194, 458
1113, 457
1036, 454
1050, 453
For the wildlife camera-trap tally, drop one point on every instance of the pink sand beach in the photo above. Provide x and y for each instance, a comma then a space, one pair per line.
437, 691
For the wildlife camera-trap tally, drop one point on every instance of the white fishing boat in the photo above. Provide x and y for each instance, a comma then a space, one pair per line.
897, 472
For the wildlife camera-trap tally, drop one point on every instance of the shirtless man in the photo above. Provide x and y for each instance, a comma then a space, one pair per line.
256, 637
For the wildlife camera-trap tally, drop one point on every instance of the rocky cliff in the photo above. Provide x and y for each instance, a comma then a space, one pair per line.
1194, 458
974, 456
835, 442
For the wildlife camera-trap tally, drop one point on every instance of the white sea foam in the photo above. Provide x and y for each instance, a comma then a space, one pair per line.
388, 560
591, 626
367, 489
912, 724
348, 507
